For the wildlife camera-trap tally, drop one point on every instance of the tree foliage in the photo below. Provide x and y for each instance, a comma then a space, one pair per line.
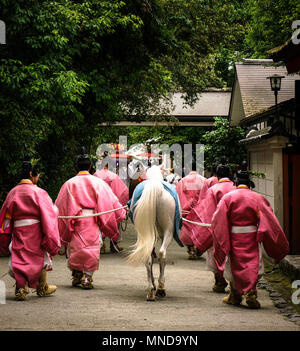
270, 24
223, 140
69, 66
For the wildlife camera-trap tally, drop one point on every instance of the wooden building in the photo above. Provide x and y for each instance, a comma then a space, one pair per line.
272, 140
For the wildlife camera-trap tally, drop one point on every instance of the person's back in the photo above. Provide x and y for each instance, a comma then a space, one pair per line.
115, 183
84, 195
188, 189
244, 206
31, 218
84, 190
241, 225
122, 193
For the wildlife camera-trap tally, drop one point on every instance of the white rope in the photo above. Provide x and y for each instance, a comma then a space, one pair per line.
120, 208
92, 215
197, 223
185, 212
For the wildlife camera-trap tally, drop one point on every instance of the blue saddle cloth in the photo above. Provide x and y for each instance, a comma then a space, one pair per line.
177, 220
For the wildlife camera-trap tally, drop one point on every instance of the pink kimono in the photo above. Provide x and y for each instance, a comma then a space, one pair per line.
188, 190
211, 181
203, 212
85, 194
116, 184
34, 230
242, 222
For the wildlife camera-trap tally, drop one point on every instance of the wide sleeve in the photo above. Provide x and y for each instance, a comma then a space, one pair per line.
6, 225
120, 189
203, 213
203, 191
220, 233
6, 228
67, 206
271, 234
106, 201
49, 224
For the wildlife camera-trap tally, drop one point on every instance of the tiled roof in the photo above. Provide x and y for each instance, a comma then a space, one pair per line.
255, 89
210, 104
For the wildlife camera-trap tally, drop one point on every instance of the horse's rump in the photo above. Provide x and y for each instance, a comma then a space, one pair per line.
145, 222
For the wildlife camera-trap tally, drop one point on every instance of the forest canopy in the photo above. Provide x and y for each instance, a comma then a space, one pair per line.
68, 66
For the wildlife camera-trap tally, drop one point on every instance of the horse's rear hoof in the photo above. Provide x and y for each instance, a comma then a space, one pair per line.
151, 298
161, 293
151, 295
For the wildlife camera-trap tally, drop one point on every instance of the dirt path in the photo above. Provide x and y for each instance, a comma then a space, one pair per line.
118, 300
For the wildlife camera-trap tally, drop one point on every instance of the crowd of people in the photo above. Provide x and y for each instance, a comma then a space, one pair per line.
221, 216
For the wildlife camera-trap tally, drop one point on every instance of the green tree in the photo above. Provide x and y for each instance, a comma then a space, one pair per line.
223, 140
69, 66
270, 24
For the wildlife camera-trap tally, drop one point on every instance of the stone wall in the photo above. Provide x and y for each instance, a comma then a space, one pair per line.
262, 161
265, 156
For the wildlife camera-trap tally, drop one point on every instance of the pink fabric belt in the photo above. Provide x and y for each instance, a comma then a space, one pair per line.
246, 229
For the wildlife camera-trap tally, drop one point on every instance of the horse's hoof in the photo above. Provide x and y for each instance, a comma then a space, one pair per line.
151, 298
161, 293
151, 295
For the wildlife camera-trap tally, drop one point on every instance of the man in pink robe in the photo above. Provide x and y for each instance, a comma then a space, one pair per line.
242, 223
203, 213
188, 190
29, 216
212, 180
121, 191
194, 213
85, 195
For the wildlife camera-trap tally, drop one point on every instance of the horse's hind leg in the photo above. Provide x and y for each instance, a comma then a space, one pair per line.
151, 283
162, 257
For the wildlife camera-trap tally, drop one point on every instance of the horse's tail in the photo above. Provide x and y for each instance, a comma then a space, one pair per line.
145, 222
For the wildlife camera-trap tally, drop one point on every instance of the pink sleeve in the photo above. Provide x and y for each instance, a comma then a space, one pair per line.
271, 234
183, 196
203, 191
108, 223
204, 211
51, 239
220, 232
6, 228
120, 190
67, 206
209, 205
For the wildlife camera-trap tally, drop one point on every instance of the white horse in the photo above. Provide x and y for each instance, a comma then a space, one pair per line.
154, 219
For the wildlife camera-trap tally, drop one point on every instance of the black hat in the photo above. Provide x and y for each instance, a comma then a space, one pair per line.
83, 160
82, 155
26, 166
243, 175
223, 169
